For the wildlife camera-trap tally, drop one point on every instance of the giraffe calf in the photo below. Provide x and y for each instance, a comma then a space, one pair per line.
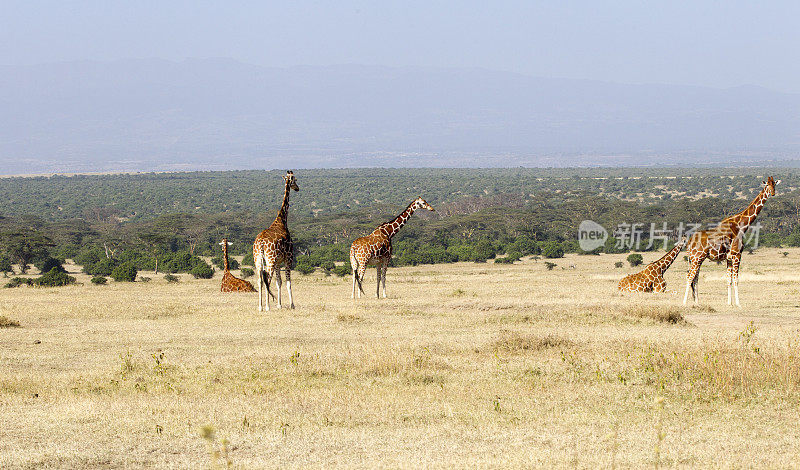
651, 278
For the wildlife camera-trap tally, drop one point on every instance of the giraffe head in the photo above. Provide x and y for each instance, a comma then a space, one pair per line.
225, 242
682, 242
769, 186
291, 181
420, 203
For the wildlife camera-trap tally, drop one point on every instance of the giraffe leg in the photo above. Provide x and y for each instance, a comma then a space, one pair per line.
735, 277
362, 269
278, 283
691, 280
378, 270
383, 277
730, 278
289, 286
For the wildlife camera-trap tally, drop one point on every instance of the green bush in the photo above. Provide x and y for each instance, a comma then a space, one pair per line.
145, 279
248, 259
505, 260
125, 273
54, 278
47, 263
5, 265
549, 265
18, 281
202, 271
304, 268
618, 264
552, 249
328, 265
171, 278
635, 259
103, 267
343, 270
247, 272
99, 280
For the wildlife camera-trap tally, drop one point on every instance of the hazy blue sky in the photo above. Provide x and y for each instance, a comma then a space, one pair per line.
718, 44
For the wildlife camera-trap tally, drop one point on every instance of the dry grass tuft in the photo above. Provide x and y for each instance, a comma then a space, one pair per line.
704, 308
512, 341
670, 315
6, 322
349, 318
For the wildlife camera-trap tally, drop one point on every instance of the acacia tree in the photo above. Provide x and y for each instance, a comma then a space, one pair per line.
154, 241
24, 246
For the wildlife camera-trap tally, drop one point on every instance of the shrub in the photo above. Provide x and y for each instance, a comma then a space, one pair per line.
5, 265
171, 278
328, 265
549, 265
48, 263
343, 270
304, 268
125, 273
248, 259
202, 271
103, 267
99, 280
506, 260
145, 279
635, 259
552, 249
618, 264
54, 278
18, 281
247, 272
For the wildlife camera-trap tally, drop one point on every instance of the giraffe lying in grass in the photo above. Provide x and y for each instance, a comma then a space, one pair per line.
231, 283
651, 278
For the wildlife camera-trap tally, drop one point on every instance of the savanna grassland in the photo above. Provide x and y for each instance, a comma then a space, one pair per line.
465, 364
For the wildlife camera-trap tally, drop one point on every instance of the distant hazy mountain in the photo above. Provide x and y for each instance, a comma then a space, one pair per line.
223, 114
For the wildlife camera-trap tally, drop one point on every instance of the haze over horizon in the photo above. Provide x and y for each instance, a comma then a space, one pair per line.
112, 86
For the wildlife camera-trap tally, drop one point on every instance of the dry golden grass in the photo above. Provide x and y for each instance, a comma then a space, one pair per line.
478, 365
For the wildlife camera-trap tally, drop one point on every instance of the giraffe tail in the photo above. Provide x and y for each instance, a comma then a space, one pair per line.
354, 266
262, 271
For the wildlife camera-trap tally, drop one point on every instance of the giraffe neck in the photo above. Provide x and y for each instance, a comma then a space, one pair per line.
225, 255
748, 216
390, 228
284, 210
666, 261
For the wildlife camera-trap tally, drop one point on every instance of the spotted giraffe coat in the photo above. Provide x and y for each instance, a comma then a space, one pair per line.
651, 278
726, 241
376, 248
231, 283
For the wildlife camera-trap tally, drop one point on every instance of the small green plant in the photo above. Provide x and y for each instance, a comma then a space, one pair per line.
635, 259
618, 264
496, 404
6, 322
125, 272
145, 279
785, 254
160, 366
171, 278
99, 280
127, 365
549, 265
247, 272
294, 358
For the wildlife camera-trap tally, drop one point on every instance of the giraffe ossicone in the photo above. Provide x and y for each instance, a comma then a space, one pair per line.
273, 249
231, 283
376, 248
651, 278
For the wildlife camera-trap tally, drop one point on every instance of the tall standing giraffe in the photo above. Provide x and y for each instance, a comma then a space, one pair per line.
231, 283
376, 248
273, 248
725, 241
651, 278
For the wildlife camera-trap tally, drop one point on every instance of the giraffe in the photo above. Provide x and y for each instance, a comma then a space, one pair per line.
651, 278
376, 248
230, 283
725, 242
272, 248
